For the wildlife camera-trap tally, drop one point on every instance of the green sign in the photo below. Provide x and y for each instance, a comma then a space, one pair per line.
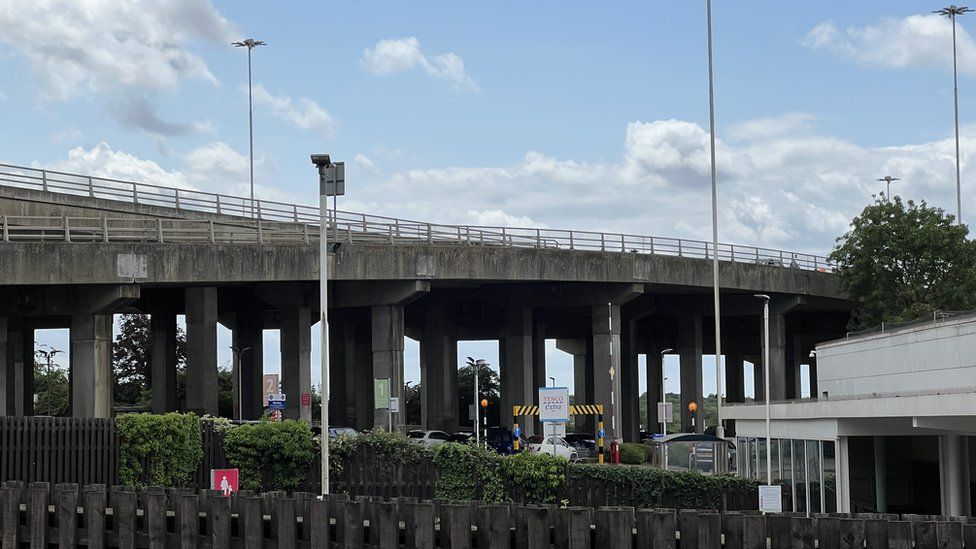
381, 393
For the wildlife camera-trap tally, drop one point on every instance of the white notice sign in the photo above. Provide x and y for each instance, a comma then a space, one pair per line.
771, 499
665, 412
553, 404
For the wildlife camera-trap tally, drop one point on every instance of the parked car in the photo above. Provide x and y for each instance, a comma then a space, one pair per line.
335, 432
581, 441
552, 445
500, 440
462, 437
428, 438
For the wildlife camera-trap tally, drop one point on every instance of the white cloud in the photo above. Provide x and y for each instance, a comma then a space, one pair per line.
103, 161
100, 45
392, 56
787, 124
69, 134
793, 190
217, 161
303, 112
913, 41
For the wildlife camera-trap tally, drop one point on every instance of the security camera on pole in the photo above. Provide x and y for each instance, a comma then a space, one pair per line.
332, 182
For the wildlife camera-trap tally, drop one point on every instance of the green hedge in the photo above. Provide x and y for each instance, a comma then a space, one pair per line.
270, 455
467, 472
535, 478
382, 448
634, 453
158, 449
652, 487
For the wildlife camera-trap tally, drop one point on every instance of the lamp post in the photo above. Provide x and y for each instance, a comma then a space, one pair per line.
476, 366
250, 44
888, 179
332, 182
719, 430
48, 356
952, 12
769, 451
238, 353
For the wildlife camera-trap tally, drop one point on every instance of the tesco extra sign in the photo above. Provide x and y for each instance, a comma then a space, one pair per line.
553, 404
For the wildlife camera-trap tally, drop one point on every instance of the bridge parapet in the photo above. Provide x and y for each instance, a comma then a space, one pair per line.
260, 221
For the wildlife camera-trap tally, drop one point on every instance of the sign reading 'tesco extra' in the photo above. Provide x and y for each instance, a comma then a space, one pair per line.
553, 404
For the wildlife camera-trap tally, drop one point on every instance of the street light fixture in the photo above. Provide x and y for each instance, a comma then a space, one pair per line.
719, 430
952, 12
888, 179
769, 451
332, 182
238, 353
250, 44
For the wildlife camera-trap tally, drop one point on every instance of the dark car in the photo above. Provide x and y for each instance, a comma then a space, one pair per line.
500, 440
581, 441
462, 438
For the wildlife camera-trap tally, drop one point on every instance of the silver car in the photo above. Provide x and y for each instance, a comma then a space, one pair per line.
428, 438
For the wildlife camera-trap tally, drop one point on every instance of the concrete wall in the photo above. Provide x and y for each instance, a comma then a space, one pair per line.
939, 357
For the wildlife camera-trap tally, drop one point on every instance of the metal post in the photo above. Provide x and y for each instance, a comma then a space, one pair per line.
477, 405
324, 318
769, 451
250, 128
955, 105
719, 430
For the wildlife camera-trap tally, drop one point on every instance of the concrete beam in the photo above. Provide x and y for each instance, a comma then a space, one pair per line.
201, 349
163, 361
565, 294
91, 365
367, 293
296, 361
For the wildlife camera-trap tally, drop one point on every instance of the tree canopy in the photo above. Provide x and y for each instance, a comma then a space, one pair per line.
132, 359
901, 261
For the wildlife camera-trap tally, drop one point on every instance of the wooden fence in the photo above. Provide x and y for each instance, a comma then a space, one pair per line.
59, 449
158, 518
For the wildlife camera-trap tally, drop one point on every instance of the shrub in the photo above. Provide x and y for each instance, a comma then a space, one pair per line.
652, 487
270, 455
158, 449
535, 478
633, 453
385, 450
469, 472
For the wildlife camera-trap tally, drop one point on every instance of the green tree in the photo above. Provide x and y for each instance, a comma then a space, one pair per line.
489, 387
412, 405
51, 387
901, 261
132, 359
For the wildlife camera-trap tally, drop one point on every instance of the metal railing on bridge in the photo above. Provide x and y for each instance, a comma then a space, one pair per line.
260, 221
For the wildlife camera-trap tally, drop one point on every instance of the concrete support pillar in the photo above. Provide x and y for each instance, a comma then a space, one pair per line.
248, 336
387, 341
163, 361
296, 362
581, 350
19, 368
629, 384
342, 392
6, 372
438, 372
690, 353
91, 365
880, 475
362, 375
201, 350
777, 357
515, 352
539, 375
606, 358
655, 381
734, 377
843, 475
954, 461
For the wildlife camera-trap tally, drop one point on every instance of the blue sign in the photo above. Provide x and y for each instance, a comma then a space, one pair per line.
518, 432
602, 434
276, 405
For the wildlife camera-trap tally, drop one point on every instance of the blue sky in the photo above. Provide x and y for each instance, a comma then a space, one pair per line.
556, 114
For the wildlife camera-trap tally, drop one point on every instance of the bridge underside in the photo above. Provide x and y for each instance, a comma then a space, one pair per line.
604, 308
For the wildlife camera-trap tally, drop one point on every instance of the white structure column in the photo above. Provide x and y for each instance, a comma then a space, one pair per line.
880, 475
843, 464
954, 465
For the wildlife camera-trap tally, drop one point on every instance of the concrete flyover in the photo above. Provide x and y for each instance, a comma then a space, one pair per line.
76, 249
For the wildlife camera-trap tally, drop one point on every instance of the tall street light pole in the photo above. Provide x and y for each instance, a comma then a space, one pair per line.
769, 451
952, 12
49, 358
250, 44
888, 179
332, 182
664, 396
719, 430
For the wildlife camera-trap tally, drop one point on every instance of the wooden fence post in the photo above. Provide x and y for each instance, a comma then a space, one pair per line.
188, 514
531, 527
949, 534
385, 532
95, 500
614, 526
456, 525
318, 524
218, 518
123, 503
11, 492
67, 514
573, 527
754, 531
38, 495
710, 531
655, 528
688, 528
283, 517
251, 521
494, 527
155, 518
352, 525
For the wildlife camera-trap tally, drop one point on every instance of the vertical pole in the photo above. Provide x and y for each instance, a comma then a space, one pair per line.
477, 408
324, 323
250, 127
599, 438
955, 99
719, 430
769, 452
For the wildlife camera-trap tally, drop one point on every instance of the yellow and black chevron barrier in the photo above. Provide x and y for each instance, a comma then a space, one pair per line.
574, 410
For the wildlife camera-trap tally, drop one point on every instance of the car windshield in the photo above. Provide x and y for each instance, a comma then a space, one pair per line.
534, 439
415, 434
